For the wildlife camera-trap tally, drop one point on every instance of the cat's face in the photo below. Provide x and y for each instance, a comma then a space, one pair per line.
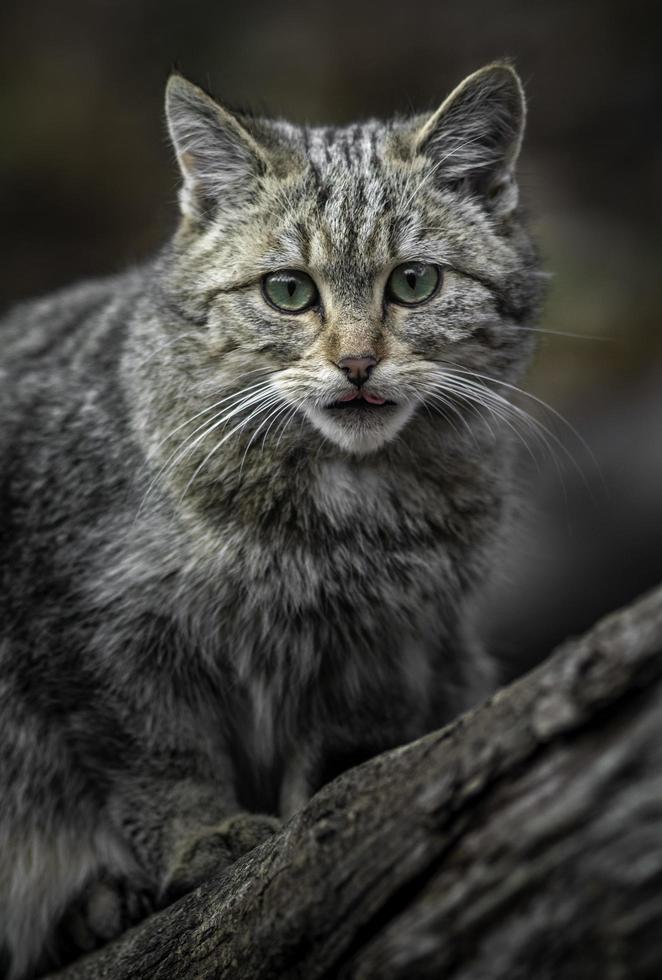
354, 272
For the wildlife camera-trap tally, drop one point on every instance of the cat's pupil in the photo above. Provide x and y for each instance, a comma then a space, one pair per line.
411, 280
291, 287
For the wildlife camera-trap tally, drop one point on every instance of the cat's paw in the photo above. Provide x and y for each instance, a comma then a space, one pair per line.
105, 909
209, 850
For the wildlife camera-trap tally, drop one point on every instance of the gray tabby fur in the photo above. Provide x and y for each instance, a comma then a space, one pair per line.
195, 634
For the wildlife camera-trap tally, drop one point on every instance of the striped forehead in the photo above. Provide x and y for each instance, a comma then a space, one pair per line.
351, 193
354, 148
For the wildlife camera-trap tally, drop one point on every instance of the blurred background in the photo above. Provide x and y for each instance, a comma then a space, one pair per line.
88, 186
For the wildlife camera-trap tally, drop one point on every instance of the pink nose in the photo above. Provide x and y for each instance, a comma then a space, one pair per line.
357, 369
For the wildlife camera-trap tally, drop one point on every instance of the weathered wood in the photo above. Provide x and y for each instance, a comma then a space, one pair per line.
524, 840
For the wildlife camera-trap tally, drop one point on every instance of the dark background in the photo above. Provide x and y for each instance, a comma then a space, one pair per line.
88, 186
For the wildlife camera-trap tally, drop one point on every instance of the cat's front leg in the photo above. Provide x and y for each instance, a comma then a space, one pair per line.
206, 850
106, 907
184, 831
175, 848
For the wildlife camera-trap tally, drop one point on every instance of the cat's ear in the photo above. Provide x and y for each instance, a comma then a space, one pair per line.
217, 156
474, 138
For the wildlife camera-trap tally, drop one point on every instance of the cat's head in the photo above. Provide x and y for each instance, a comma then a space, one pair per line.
362, 274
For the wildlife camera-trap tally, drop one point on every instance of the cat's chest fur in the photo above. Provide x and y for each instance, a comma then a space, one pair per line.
338, 546
339, 598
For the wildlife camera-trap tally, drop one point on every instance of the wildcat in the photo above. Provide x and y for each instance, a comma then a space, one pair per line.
250, 492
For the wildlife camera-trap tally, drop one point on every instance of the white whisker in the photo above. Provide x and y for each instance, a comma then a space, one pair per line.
549, 408
509, 414
210, 408
247, 396
476, 397
558, 333
244, 422
281, 411
273, 415
447, 403
288, 419
456, 148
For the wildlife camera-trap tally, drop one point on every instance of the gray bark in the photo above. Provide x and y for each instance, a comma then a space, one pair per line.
524, 840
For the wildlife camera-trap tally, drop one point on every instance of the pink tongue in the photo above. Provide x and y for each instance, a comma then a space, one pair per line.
372, 399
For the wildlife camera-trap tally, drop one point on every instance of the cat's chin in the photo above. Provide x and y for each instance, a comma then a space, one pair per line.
360, 431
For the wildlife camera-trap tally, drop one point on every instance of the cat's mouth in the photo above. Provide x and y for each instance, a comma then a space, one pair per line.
360, 401
360, 421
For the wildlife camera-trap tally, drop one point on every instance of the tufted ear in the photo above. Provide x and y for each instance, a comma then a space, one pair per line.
217, 156
474, 138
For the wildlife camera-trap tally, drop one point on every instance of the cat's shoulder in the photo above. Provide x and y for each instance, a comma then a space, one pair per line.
35, 328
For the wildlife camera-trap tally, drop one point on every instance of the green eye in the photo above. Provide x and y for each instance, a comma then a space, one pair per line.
413, 282
290, 290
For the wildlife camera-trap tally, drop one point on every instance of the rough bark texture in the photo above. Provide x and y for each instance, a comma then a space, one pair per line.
524, 840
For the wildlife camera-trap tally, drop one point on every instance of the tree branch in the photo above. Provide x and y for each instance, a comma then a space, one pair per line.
523, 840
